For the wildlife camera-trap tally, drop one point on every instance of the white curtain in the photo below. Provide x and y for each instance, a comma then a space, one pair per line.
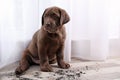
95, 31
92, 33
18, 21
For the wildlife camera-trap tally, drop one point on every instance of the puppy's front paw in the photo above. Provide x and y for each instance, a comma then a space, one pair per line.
18, 71
64, 65
46, 68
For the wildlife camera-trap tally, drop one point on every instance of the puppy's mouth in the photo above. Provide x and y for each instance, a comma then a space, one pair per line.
50, 30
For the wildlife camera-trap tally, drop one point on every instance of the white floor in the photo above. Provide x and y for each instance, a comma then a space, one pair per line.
80, 70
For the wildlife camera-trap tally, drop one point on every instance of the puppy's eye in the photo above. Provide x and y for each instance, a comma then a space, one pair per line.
53, 14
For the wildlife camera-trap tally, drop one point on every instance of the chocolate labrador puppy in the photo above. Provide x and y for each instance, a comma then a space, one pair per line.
47, 45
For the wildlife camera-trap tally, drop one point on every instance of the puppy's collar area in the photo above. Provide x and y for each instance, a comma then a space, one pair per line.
53, 35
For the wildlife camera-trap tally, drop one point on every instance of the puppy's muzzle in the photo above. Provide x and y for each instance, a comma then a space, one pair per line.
50, 28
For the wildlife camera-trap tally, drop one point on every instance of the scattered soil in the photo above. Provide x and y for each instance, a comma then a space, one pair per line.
58, 74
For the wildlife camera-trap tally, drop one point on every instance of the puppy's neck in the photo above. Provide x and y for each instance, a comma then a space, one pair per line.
52, 35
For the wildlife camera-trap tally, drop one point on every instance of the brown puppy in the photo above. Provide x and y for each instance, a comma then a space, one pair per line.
47, 45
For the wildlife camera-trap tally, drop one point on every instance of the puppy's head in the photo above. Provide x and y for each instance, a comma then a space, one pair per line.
53, 18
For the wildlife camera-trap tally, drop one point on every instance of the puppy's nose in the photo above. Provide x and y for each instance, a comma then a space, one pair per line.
48, 24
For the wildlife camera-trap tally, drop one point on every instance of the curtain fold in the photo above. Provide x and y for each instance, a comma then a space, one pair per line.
98, 30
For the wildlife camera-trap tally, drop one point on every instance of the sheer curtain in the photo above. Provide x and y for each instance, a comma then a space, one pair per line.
92, 33
95, 31
19, 19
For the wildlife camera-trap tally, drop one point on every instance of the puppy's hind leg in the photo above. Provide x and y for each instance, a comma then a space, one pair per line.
54, 60
24, 63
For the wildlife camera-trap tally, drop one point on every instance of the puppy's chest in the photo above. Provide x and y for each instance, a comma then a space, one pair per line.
54, 42
53, 46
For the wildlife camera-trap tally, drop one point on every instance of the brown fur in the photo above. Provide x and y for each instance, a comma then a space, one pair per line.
47, 45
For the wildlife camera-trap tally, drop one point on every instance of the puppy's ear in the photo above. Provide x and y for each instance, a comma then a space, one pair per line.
64, 17
43, 16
